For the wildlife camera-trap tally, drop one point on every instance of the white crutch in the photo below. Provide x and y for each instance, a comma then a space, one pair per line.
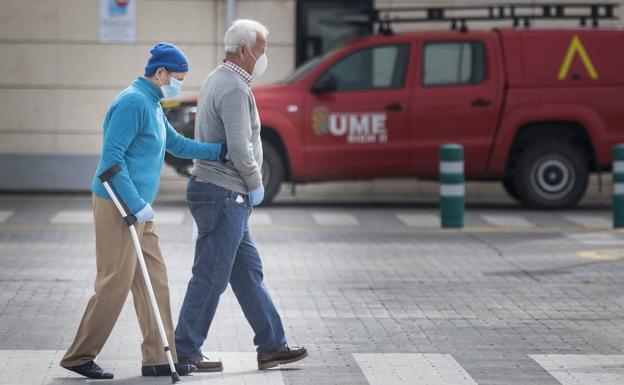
130, 220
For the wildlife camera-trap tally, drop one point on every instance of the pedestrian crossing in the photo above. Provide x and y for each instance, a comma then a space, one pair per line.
589, 221
579, 369
419, 220
413, 369
499, 220
5, 215
354, 218
162, 217
72, 217
240, 368
335, 219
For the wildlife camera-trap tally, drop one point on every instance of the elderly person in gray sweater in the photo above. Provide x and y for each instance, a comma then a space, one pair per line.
220, 197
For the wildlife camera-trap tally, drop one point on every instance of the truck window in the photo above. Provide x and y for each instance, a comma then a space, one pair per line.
371, 68
453, 63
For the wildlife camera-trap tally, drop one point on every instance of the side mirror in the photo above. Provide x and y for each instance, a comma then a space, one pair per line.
325, 84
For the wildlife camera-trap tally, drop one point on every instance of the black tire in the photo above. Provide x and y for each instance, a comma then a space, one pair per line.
552, 174
273, 172
510, 187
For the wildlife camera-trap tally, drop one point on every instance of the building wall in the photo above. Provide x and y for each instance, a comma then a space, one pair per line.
57, 79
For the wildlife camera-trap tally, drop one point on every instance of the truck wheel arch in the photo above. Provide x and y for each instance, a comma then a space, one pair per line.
271, 135
570, 131
516, 122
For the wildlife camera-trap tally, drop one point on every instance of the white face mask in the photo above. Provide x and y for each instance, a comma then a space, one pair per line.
261, 64
172, 89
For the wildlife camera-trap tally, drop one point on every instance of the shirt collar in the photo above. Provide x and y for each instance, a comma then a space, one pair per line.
238, 70
148, 88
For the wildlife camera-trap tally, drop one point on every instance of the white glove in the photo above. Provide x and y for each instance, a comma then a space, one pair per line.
146, 214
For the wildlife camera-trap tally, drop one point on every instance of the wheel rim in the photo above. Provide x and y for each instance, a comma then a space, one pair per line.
552, 177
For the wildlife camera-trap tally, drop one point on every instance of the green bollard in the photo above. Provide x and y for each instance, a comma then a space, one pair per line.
618, 186
452, 190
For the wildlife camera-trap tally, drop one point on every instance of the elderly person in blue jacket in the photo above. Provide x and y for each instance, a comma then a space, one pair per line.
136, 136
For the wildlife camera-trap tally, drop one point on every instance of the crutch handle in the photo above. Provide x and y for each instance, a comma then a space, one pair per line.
105, 178
107, 175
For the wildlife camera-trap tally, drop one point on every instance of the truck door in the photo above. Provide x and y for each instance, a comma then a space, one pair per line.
456, 100
356, 115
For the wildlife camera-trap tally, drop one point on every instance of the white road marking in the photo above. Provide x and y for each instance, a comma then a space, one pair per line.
259, 218
169, 217
5, 215
507, 221
72, 217
596, 238
590, 220
335, 219
580, 369
419, 220
412, 369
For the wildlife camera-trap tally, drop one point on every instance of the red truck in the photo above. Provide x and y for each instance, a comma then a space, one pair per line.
538, 109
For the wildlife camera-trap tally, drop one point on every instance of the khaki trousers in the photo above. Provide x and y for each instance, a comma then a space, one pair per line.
118, 272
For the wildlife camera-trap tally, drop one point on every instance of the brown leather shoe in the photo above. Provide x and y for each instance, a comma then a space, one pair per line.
204, 364
285, 355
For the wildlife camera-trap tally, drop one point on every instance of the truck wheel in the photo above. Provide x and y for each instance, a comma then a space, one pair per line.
510, 187
552, 175
272, 172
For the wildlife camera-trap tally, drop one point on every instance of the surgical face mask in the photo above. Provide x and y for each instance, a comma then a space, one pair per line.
172, 89
261, 64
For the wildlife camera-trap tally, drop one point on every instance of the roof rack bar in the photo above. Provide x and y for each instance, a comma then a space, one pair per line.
519, 13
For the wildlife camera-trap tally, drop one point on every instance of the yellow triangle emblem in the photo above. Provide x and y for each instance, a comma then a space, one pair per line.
576, 47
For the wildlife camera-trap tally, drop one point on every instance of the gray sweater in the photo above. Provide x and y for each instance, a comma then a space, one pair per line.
226, 112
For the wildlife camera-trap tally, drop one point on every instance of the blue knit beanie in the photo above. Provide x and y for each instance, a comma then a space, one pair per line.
166, 55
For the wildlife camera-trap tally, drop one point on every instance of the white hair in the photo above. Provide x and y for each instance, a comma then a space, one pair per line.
243, 32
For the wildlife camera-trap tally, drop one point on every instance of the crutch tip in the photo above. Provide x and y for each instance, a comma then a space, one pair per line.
175, 377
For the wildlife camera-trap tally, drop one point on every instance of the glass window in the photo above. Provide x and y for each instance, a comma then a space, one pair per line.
453, 63
371, 68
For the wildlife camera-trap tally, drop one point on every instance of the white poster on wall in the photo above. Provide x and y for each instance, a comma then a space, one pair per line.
118, 21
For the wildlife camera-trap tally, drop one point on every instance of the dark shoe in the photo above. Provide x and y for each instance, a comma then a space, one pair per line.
163, 370
281, 356
203, 364
91, 370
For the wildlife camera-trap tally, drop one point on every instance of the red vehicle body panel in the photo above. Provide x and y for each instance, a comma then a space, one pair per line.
527, 81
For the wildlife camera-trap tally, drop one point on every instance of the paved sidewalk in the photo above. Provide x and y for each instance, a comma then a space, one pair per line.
379, 295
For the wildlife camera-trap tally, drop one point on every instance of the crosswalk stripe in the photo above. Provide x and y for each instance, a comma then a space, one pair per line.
412, 369
590, 369
507, 221
589, 220
260, 218
169, 217
335, 219
595, 238
5, 215
72, 217
419, 220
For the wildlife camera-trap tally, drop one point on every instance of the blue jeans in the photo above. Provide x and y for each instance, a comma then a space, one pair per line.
224, 253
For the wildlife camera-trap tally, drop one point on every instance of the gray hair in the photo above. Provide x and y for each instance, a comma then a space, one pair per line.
243, 32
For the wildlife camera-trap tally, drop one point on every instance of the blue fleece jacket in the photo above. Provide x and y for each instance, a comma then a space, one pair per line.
136, 136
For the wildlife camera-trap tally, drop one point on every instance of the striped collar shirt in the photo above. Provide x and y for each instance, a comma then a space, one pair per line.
238, 70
